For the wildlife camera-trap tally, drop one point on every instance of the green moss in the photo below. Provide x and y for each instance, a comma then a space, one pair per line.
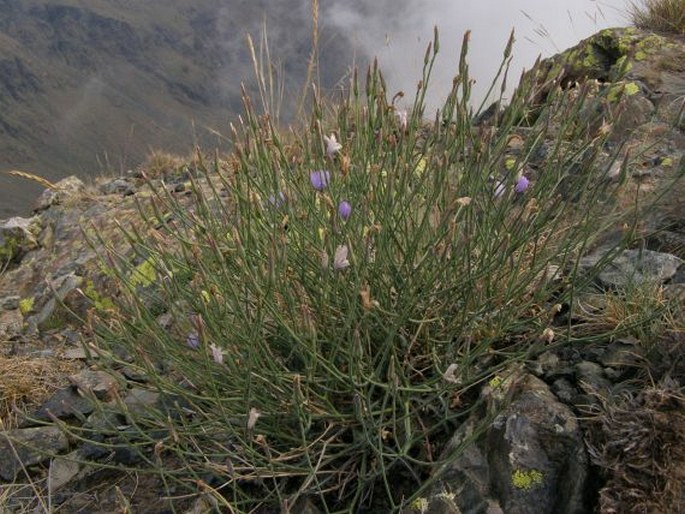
526, 479
26, 305
640, 55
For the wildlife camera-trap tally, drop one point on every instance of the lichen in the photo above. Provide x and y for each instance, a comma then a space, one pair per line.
26, 305
631, 88
495, 382
420, 505
101, 303
526, 479
144, 274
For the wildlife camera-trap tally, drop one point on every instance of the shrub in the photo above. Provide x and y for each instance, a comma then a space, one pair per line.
337, 300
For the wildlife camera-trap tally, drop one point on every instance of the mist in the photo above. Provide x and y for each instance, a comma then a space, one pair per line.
397, 32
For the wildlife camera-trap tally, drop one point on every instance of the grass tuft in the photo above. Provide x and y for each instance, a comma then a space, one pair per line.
659, 15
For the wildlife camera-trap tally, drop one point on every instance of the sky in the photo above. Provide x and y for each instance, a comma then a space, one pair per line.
398, 32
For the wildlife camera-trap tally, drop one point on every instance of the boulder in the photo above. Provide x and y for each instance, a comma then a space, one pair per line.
67, 188
529, 459
27, 447
15, 239
632, 267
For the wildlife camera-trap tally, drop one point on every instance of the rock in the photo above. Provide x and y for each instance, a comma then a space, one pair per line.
77, 354
634, 267
10, 303
63, 470
139, 400
636, 111
622, 354
98, 383
28, 446
15, 239
591, 379
531, 459
65, 403
67, 188
11, 325
120, 186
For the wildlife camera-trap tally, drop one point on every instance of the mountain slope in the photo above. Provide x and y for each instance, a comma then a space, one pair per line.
91, 86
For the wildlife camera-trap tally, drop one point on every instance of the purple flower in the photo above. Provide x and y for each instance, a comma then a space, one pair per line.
521, 184
277, 200
320, 179
344, 210
193, 340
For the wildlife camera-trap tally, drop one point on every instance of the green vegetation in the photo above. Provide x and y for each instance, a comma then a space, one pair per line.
333, 289
659, 15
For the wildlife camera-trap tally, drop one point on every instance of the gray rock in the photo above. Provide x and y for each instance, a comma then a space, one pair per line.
10, 303
62, 471
120, 186
28, 446
591, 379
636, 111
65, 403
67, 188
531, 459
11, 325
139, 401
622, 354
635, 267
16, 239
101, 384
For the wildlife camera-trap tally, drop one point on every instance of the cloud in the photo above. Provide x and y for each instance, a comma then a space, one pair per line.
398, 32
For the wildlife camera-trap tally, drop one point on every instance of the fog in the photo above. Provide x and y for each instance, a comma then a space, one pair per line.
398, 31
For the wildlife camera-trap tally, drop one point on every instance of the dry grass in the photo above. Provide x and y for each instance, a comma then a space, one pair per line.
33, 178
642, 449
28, 381
161, 164
659, 15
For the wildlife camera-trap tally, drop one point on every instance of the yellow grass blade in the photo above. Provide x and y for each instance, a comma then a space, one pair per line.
35, 178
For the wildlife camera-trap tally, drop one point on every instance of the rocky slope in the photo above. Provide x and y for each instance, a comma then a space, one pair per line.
91, 86
582, 417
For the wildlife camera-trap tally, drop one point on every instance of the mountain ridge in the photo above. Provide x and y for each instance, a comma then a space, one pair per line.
92, 87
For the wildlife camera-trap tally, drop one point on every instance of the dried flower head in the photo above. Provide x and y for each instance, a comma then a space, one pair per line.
340, 261
217, 354
252, 418
332, 145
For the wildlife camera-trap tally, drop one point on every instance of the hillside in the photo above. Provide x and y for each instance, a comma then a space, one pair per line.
91, 86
